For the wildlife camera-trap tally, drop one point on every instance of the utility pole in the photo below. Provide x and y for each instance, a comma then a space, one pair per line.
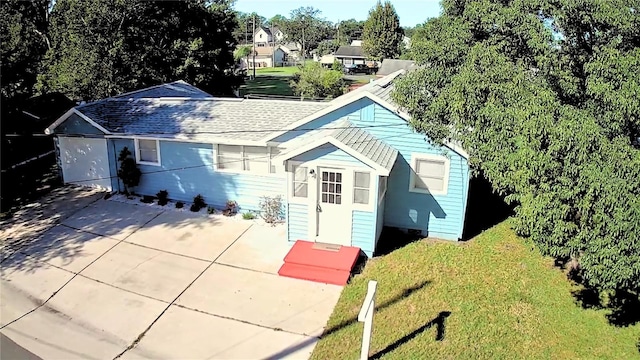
304, 56
254, 46
273, 46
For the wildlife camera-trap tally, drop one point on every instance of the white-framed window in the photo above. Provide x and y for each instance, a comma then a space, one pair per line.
299, 181
361, 187
382, 186
240, 158
147, 151
430, 174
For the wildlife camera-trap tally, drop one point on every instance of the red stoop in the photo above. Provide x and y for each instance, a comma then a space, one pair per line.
308, 261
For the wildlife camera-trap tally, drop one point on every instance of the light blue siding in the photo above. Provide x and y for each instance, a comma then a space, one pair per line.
330, 153
363, 231
187, 170
379, 219
76, 125
439, 216
298, 222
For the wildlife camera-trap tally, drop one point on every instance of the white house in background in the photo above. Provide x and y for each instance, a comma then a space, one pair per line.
266, 56
406, 41
356, 43
268, 36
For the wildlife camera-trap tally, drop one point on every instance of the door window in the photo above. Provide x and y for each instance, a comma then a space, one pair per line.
331, 187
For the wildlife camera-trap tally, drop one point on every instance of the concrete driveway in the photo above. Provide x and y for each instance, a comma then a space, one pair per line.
116, 280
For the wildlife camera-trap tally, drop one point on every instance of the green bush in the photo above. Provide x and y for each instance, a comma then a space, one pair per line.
179, 205
314, 81
198, 203
163, 197
248, 216
211, 210
128, 172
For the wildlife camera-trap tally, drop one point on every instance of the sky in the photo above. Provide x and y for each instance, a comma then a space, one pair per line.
410, 12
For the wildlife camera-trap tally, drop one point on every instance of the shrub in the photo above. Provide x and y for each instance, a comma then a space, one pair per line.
163, 197
211, 210
231, 209
147, 199
128, 172
248, 216
314, 81
179, 205
198, 203
271, 209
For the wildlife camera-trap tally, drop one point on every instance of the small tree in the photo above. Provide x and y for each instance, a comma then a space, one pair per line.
314, 81
128, 172
382, 34
242, 52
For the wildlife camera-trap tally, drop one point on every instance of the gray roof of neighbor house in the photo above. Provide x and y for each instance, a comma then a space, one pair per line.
392, 65
349, 51
162, 111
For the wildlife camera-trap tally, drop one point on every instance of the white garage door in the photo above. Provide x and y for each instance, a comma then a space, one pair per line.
85, 162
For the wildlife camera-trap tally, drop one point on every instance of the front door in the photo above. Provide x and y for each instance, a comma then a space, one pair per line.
334, 218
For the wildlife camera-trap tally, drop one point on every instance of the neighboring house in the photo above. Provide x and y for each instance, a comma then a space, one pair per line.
348, 55
265, 56
390, 66
268, 36
356, 43
344, 168
406, 41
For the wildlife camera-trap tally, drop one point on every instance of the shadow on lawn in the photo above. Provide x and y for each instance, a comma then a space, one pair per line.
624, 306
405, 294
439, 322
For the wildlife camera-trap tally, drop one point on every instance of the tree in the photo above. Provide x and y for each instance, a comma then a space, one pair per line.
326, 47
541, 96
306, 27
243, 52
102, 48
243, 32
349, 30
382, 34
23, 42
314, 81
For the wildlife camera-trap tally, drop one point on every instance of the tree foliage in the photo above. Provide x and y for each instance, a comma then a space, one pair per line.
305, 26
243, 31
314, 81
543, 96
349, 30
382, 34
23, 41
101, 48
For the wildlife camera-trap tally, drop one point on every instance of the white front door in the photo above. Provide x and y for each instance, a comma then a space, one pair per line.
333, 208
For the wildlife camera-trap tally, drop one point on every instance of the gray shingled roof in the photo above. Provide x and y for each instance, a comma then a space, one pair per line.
199, 118
354, 137
179, 88
392, 65
349, 51
368, 145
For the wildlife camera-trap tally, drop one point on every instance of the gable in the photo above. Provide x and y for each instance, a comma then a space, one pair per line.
76, 125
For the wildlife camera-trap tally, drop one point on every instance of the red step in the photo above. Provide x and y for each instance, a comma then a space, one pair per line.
303, 253
314, 273
330, 266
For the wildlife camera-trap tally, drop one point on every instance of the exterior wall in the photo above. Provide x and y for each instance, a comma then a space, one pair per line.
330, 154
297, 222
350, 60
440, 216
76, 125
380, 218
363, 231
187, 170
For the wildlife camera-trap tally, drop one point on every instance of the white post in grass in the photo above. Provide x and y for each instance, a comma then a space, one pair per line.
366, 316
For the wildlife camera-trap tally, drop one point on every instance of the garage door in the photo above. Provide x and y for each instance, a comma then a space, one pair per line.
84, 162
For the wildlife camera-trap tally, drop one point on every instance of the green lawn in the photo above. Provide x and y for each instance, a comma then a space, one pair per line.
503, 300
276, 71
267, 85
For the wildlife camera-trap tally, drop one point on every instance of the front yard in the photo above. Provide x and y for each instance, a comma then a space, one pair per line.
494, 297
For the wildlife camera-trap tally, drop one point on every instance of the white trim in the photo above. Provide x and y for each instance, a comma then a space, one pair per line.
447, 167
65, 116
188, 140
137, 148
380, 197
291, 187
340, 145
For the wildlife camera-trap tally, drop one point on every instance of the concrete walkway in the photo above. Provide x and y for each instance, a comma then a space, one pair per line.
117, 280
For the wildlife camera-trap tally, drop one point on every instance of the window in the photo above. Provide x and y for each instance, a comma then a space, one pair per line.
147, 152
300, 181
430, 174
382, 186
331, 187
255, 159
361, 183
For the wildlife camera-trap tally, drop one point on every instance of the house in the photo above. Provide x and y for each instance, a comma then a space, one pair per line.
348, 55
265, 56
356, 43
344, 168
390, 66
265, 36
406, 42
